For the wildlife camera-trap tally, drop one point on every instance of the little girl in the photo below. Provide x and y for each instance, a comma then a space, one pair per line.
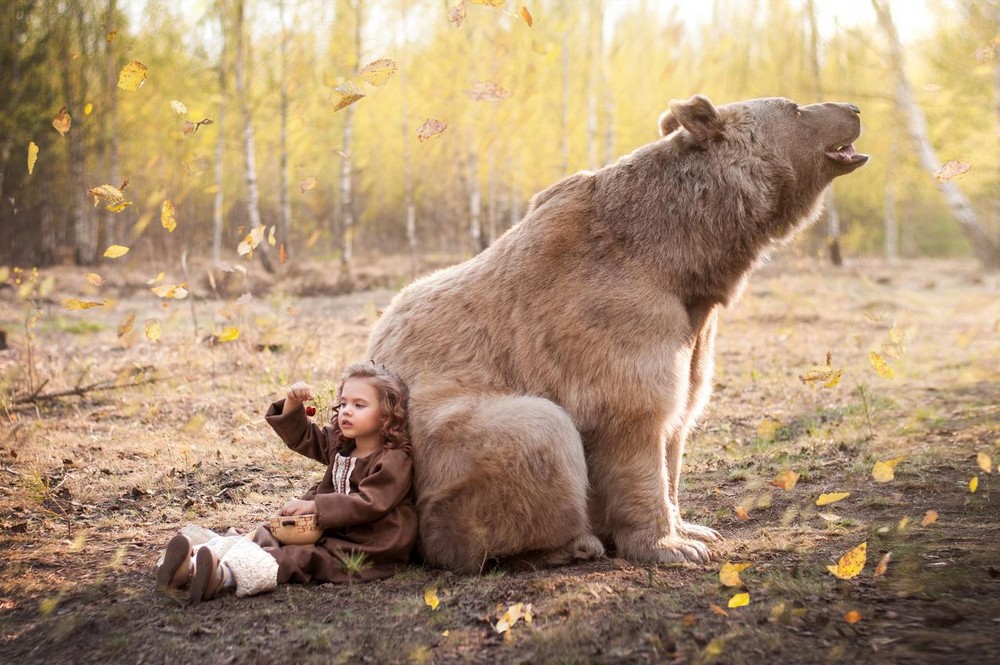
363, 503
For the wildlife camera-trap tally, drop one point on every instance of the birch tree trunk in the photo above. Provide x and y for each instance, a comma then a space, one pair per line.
249, 149
411, 210
889, 205
830, 204
285, 199
564, 110
983, 246
74, 91
220, 142
347, 167
109, 231
594, 84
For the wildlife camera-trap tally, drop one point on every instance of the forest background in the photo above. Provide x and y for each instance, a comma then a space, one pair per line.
518, 95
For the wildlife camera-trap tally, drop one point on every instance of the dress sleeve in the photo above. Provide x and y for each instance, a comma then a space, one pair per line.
301, 434
378, 493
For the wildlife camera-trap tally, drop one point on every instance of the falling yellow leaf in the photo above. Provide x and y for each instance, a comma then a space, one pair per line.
488, 3
767, 429
32, 156
62, 121
115, 251
457, 15
228, 335
513, 614
176, 291
379, 72
73, 303
984, 462
307, 184
739, 600
251, 241
88, 108
431, 597
974, 484
110, 37
883, 472
741, 513
929, 518
152, 330
346, 94
851, 564
718, 610
95, 279
903, 523
445, 633
880, 366
825, 374
156, 280
126, 325
730, 573
526, 15
487, 91
178, 107
270, 236
883, 565
113, 195
167, 216
132, 76
852, 617
786, 480
430, 128
951, 170
832, 497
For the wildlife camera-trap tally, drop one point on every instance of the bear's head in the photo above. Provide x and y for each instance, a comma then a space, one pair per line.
816, 141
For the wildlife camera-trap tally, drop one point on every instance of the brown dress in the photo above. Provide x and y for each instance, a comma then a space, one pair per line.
364, 505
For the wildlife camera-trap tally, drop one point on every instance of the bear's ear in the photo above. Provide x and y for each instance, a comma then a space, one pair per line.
697, 115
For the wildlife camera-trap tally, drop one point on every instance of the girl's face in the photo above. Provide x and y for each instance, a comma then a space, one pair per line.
359, 415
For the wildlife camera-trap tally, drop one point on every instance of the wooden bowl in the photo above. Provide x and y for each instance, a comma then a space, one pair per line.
295, 529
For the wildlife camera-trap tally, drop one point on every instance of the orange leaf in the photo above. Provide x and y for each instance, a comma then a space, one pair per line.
883, 565
786, 480
852, 617
526, 15
62, 121
929, 518
741, 513
718, 610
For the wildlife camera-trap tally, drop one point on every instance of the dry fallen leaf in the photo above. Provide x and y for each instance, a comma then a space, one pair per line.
178, 291
514, 613
115, 197
718, 610
62, 121
829, 517
487, 91
883, 565
739, 600
228, 335
126, 325
929, 518
132, 76
282, 254
346, 94
985, 462
741, 513
951, 170
430, 128
730, 573
94, 278
178, 107
457, 14
903, 523
883, 472
852, 617
786, 480
880, 366
974, 484
431, 597
832, 497
488, 3
851, 563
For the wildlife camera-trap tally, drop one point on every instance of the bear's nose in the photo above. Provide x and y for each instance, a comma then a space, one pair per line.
854, 108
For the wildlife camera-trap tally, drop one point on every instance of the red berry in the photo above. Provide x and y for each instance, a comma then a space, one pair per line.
310, 410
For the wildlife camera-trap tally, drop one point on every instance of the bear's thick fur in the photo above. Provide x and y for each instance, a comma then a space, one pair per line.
555, 376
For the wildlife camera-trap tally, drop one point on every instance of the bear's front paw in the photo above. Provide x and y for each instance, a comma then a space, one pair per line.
681, 550
699, 532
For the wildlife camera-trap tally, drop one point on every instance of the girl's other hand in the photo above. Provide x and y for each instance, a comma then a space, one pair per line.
298, 507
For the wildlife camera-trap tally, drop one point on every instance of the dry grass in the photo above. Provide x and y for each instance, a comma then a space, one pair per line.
92, 486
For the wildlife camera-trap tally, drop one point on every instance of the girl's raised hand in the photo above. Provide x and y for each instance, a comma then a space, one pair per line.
299, 392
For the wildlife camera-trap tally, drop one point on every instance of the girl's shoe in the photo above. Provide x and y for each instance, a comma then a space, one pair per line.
208, 578
175, 571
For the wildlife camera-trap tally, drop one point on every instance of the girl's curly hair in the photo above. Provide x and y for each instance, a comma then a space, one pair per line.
393, 397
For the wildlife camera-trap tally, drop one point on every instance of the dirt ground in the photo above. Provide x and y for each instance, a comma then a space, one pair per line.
92, 486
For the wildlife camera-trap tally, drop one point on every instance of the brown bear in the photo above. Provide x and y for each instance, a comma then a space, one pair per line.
555, 376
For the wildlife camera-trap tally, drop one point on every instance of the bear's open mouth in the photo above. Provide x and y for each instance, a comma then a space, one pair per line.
845, 154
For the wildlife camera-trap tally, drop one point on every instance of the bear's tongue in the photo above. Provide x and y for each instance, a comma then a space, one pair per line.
845, 154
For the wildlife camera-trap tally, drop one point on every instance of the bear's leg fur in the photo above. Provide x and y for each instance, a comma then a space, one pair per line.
699, 392
631, 494
498, 476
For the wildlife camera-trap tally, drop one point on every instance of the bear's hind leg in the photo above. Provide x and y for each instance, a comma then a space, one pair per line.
502, 476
